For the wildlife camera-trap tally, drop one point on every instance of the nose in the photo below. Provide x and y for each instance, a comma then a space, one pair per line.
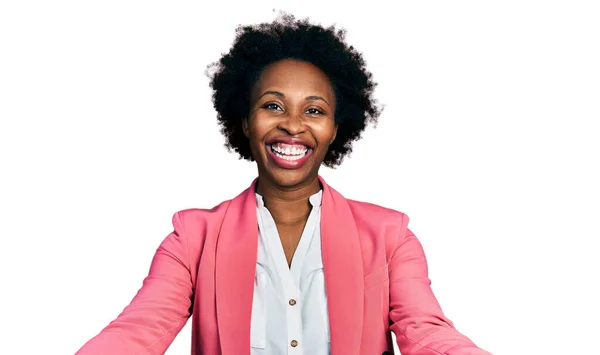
292, 124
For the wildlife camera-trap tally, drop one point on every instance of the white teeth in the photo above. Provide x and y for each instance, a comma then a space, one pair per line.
289, 157
289, 151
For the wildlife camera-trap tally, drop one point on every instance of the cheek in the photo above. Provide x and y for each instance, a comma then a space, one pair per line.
256, 129
325, 133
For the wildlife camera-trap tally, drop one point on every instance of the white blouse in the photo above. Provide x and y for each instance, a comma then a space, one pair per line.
289, 307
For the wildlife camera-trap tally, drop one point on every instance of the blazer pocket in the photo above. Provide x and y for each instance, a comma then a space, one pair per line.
376, 277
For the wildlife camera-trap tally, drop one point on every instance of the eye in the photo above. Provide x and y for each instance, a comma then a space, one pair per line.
314, 111
272, 106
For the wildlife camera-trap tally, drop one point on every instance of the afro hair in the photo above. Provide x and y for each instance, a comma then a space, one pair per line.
257, 46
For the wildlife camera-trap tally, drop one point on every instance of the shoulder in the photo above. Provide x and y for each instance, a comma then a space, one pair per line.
192, 231
371, 213
206, 220
385, 226
371, 218
195, 215
198, 222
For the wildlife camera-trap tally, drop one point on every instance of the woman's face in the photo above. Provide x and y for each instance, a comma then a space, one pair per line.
291, 123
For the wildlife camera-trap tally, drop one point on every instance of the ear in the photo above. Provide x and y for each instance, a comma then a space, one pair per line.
245, 127
335, 128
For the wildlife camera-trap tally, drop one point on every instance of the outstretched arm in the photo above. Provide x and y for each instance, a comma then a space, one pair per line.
160, 309
417, 319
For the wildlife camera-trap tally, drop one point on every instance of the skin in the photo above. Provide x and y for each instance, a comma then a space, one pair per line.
290, 99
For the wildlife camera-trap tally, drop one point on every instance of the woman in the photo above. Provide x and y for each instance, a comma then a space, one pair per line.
289, 266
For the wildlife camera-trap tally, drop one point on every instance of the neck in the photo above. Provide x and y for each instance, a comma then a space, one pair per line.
288, 205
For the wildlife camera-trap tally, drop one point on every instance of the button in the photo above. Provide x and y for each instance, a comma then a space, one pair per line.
294, 343
292, 302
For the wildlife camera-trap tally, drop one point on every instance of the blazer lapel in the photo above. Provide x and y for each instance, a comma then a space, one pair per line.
235, 269
343, 269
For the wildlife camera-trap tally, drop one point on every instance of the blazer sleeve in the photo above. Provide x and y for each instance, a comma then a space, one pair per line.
160, 308
415, 314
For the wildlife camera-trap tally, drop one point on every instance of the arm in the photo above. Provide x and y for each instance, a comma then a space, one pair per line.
160, 309
417, 319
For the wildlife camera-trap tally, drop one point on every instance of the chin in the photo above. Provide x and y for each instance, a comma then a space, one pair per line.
289, 177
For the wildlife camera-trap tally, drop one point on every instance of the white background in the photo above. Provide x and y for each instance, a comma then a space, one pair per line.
489, 142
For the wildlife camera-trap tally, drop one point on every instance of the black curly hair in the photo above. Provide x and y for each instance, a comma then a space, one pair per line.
257, 46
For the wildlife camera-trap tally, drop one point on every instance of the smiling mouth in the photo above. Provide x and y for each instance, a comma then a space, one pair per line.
289, 152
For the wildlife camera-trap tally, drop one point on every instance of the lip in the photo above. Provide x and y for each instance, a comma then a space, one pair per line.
288, 164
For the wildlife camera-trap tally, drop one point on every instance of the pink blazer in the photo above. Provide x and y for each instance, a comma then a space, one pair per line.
375, 274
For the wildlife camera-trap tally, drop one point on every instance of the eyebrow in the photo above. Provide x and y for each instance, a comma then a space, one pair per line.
280, 94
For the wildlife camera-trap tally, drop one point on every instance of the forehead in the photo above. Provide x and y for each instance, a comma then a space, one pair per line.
294, 76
